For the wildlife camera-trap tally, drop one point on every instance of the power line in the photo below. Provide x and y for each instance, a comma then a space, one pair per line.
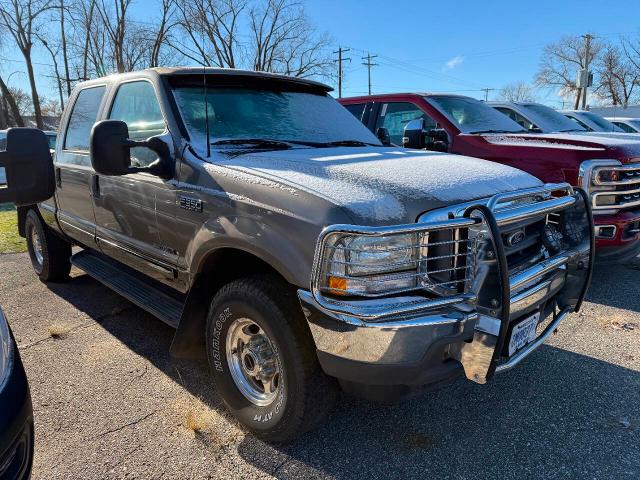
368, 64
486, 93
340, 60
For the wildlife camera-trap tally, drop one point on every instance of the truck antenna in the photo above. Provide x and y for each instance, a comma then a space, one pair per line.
206, 103
206, 112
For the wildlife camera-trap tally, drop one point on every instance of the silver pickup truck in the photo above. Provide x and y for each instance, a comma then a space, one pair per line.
282, 240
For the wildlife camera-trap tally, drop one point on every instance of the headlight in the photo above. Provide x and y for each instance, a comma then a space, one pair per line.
370, 265
594, 174
606, 175
6, 350
434, 262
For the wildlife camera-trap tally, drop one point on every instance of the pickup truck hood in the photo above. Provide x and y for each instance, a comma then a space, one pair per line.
378, 185
623, 146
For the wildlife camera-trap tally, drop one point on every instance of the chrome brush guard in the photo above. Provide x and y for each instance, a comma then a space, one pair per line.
497, 287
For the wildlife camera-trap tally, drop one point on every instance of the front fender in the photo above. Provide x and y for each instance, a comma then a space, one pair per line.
287, 246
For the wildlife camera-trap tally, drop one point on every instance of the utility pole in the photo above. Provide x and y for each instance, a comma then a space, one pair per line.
587, 49
486, 93
368, 64
340, 60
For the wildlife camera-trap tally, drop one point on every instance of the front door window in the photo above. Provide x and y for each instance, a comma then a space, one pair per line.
394, 117
137, 105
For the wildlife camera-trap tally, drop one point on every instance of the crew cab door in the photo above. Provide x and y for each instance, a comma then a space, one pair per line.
75, 179
133, 210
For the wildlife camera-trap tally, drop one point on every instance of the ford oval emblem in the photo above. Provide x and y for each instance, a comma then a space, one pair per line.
515, 238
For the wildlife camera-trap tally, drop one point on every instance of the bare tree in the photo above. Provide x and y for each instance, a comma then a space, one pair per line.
23, 19
56, 71
84, 35
65, 52
10, 106
115, 23
211, 28
618, 77
561, 62
280, 38
284, 41
161, 37
517, 92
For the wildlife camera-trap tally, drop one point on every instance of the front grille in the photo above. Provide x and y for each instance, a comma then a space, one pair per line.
523, 244
447, 261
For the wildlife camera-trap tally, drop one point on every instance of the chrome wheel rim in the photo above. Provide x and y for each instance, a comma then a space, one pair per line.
37, 246
253, 362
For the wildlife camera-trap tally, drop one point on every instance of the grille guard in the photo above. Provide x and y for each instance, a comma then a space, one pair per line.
482, 357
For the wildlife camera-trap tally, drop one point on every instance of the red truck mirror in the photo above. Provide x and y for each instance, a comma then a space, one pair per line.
414, 134
26, 168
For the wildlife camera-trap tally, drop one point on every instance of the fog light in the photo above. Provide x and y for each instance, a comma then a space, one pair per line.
605, 200
552, 238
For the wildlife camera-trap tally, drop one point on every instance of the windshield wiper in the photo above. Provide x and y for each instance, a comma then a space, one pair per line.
254, 142
573, 130
350, 143
499, 131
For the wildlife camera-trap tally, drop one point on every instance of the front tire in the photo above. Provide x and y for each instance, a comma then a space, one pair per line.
49, 253
263, 360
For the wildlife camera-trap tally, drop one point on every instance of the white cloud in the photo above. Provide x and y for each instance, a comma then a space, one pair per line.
453, 63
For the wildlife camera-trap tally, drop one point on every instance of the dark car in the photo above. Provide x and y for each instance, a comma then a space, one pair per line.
16, 413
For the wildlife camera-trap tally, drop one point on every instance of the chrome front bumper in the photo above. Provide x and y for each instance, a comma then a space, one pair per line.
457, 333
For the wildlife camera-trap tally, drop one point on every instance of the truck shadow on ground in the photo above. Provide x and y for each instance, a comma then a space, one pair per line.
559, 415
616, 285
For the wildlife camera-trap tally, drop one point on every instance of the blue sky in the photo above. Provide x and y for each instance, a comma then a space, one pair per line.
434, 46
461, 45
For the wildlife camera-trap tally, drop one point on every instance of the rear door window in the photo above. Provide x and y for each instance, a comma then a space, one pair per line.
624, 127
83, 116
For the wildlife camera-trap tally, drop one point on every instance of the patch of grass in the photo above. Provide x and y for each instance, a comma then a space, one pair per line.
10, 241
195, 417
195, 421
57, 330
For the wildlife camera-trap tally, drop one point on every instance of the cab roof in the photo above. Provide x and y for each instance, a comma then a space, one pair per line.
193, 71
383, 96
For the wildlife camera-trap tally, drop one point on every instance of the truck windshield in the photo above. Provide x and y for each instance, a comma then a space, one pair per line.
549, 119
473, 116
245, 113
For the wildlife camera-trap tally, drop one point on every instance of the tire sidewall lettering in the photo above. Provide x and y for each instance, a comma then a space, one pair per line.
217, 334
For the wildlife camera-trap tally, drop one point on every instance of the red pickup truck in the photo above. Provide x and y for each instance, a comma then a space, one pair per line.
607, 168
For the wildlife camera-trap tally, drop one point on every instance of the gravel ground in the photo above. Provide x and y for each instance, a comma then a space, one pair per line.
110, 402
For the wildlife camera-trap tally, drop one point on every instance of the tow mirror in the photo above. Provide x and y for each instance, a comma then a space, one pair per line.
110, 146
414, 135
438, 140
438, 135
383, 135
26, 168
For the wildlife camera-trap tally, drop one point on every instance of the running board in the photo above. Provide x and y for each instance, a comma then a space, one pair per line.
144, 292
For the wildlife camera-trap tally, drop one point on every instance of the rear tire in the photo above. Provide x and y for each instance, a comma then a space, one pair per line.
49, 253
255, 326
